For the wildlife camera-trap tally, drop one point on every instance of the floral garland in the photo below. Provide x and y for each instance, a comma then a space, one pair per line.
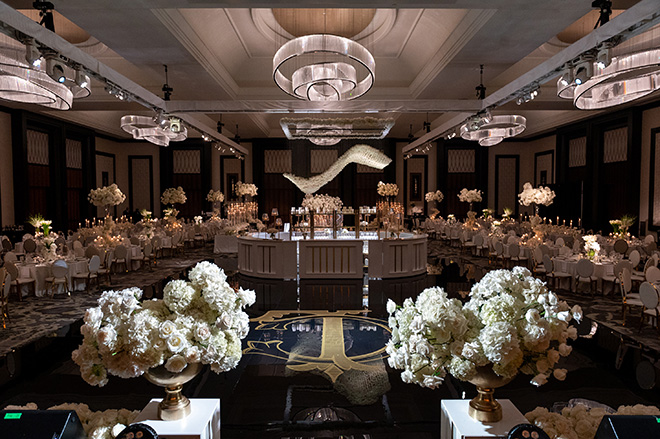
387, 189
469, 196
106, 196
512, 324
215, 196
242, 189
322, 203
173, 196
105, 424
434, 196
580, 421
539, 196
197, 321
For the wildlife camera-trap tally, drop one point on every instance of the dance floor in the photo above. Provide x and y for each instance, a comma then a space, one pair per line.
315, 349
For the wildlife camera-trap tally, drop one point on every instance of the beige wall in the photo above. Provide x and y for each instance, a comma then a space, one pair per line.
121, 152
6, 171
432, 176
650, 120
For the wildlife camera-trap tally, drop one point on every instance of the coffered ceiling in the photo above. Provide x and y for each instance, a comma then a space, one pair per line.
425, 51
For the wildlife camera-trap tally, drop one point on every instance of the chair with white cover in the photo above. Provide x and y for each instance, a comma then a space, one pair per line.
552, 272
91, 275
121, 254
29, 246
653, 275
585, 271
467, 243
559, 242
10, 257
621, 246
60, 276
17, 281
634, 257
91, 251
564, 251
539, 268
156, 243
5, 286
499, 250
545, 249
147, 254
649, 238
514, 255
200, 239
628, 299
648, 293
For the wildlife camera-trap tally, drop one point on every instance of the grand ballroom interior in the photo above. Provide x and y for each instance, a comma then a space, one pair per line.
337, 160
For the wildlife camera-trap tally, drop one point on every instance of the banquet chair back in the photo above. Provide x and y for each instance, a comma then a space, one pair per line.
648, 294
585, 268
649, 238
121, 253
135, 240
621, 246
538, 256
626, 282
10, 257
29, 245
77, 244
559, 242
620, 266
634, 258
147, 251
94, 264
544, 249
650, 262
564, 251
650, 247
60, 242
79, 252
653, 274
6, 245
90, 251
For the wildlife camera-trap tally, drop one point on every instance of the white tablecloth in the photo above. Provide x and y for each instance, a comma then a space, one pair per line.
40, 272
569, 265
225, 244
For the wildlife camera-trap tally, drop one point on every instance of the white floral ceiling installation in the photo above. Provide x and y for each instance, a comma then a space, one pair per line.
331, 131
361, 154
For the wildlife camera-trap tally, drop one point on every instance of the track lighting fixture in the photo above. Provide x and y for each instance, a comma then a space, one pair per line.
604, 57
55, 68
32, 54
81, 79
583, 70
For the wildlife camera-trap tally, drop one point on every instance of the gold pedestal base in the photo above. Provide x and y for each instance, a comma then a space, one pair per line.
484, 407
174, 406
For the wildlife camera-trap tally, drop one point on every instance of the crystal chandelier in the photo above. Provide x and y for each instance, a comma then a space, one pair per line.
20, 82
490, 130
331, 131
160, 130
627, 78
331, 68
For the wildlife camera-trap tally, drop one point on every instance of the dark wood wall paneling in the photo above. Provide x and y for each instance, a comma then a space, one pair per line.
653, 175
58, 193
353, 188
598, 191
451, 184
196, 186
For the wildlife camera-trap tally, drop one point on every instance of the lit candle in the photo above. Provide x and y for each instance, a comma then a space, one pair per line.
557, 219
571, 223
579, 222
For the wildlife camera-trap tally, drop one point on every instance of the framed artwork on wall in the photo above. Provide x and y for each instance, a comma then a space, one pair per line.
416, 186
232, 179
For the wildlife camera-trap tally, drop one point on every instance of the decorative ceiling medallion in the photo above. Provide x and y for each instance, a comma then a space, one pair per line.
361, 154
331, 131
627, 78
21, 83
491, 130
324, 67
146, 128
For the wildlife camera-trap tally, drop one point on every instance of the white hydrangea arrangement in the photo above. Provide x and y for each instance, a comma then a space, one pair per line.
591, 245
173, 196
215, 196
469, 196
197, 321
580, 421
387, 189
106, 196
539, 196
434, 196
242, 189
322, 203
106, 424
512, 324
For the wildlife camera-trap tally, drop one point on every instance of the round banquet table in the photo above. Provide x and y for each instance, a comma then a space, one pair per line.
41, 271
569, 265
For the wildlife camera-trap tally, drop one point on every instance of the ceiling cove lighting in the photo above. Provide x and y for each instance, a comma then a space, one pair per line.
154, 130
324, 67
19, 82
491, 130
628, 77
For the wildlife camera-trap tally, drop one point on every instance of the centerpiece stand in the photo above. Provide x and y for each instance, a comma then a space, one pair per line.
456, 423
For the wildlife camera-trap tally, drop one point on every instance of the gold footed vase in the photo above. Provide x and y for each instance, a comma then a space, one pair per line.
175, 405
484, 407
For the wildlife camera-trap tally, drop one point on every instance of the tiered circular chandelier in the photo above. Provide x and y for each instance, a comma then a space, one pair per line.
491, 130
159, 131
324, 67
628, 77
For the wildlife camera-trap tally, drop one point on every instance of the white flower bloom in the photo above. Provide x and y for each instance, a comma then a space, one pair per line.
167, 328
391, 306
560, 374
176, 364
176, 342
564, 349
539, 380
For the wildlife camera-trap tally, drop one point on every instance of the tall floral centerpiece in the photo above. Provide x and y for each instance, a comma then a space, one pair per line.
215, 197
512, 323
591, 246
622, 225
323, 203
106, 197
200, 321
40, 224
436, 197
387, 190
536, 196
470, 196
173, 195
244, 190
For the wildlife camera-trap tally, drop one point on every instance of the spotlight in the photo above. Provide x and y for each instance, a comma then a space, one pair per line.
55, 68
175, 124
82, 80
451, 135
567, 77
32, 54
604, 57
584, 71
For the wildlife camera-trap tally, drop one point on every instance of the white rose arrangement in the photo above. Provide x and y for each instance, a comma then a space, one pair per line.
539, 196
387, 189
434, 196
197, 321
512, 324
322, 203
580, 421
106, 196
242, 189
105, 424
198, 220
469, 196
173, 196
215, 196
